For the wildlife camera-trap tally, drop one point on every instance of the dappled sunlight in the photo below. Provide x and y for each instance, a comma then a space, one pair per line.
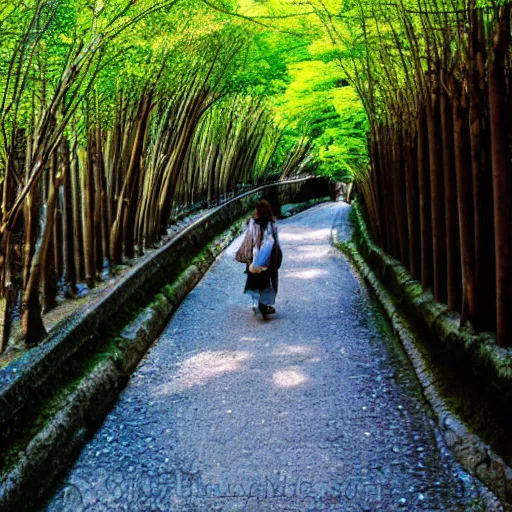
304, 257
289, 350
317, 234
311, 273
289, 378
248, 338
203, 367
320, 249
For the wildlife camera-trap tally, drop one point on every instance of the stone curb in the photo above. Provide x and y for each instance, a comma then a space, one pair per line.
83, 410
34, 373
489, 361
476, 456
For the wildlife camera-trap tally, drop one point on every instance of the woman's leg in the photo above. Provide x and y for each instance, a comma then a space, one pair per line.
263, 309
268, 295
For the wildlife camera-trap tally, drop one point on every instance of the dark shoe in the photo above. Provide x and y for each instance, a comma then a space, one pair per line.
271, 310
263, 310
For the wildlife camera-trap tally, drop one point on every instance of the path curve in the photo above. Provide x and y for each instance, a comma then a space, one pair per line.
316, 409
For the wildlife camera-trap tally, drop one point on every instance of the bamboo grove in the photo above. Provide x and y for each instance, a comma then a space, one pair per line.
114, 115
111, 117
435, 78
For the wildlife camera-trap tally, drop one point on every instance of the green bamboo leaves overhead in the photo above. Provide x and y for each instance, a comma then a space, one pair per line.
435, 81
112, 115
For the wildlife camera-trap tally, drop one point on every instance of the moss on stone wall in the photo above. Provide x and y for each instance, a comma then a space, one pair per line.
463, 374
434, 318
96, 359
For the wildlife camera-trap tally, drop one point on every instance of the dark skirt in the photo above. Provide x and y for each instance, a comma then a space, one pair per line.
269, 279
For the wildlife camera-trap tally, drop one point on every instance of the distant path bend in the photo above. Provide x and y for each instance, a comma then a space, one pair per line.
313, 410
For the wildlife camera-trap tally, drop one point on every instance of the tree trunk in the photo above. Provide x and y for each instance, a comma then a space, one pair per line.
399, 193
49, 274
6, 294
436, 197
465, 204
502, 175
67, 225
412, 193
453, 261
88, 216
425, 205
485, 307
76, 214
375, 163
32, 321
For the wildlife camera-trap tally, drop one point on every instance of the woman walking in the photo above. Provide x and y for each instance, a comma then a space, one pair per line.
261, 253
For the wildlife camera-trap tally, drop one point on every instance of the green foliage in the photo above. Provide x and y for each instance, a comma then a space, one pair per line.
277, 51
320, 104
307, 89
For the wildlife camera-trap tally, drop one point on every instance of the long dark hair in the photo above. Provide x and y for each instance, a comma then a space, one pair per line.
264, 211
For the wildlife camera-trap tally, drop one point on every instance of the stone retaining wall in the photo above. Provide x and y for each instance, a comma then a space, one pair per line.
55, 396
412, 311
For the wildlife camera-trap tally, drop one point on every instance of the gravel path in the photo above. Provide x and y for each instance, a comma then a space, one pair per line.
315, 409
